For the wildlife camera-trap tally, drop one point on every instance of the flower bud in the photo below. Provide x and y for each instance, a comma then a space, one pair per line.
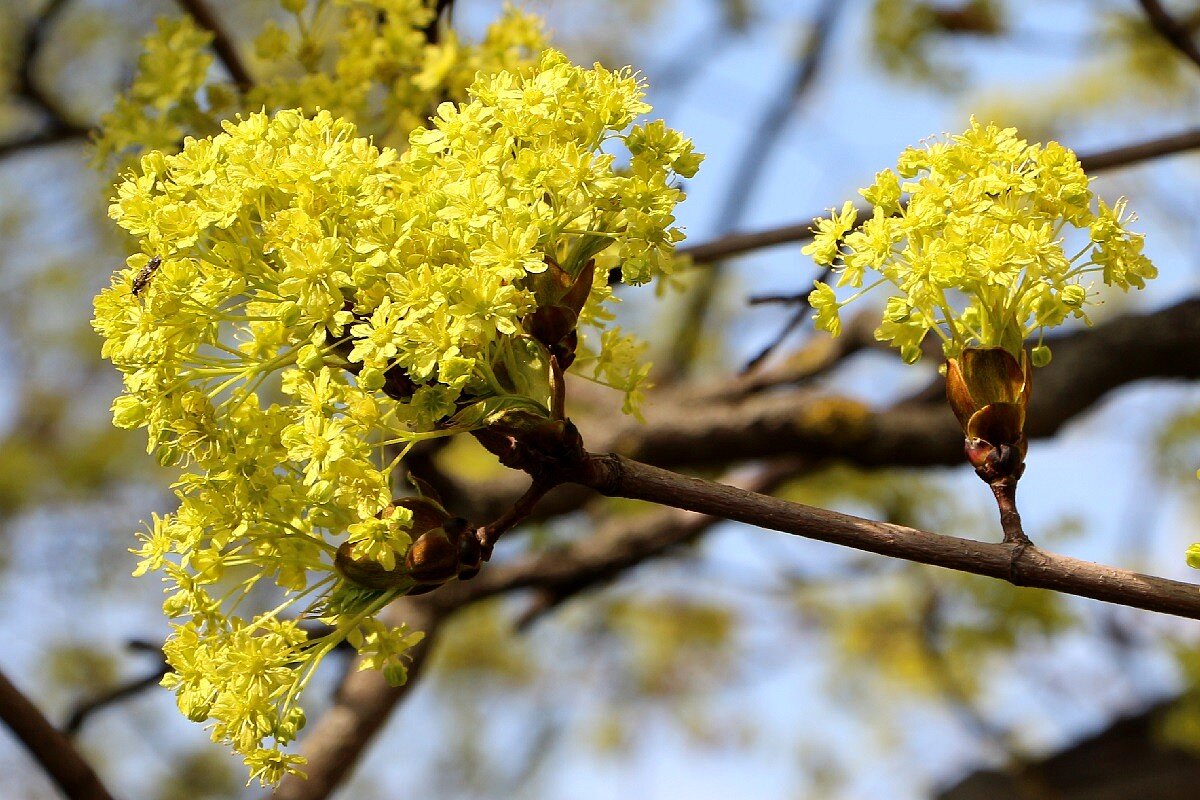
988, 390
427, 514
371, 379
576, 296
433, 557
128, 412
551, 324
395, 672
1040, 355
309, 358
1074, 295
289, 313
367, 573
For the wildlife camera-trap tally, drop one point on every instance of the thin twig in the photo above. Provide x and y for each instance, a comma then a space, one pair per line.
1172, 30
513, 516
222, 43
747, 173
84, 711
803, 304
58, 757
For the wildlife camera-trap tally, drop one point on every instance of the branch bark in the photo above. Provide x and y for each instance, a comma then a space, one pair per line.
805, 423
49, 746
364, 701
1018, 563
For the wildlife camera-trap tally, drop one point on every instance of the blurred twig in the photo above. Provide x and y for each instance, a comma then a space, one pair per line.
222, 43
1172, 30
58, 757
803, 303
60, 126
748, 171
82, 712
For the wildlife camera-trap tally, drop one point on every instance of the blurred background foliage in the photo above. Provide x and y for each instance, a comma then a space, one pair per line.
745, 664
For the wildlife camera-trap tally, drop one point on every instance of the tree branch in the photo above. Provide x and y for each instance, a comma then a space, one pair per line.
737, 420
805, 423
53, 750
82, 712
1171, 30
365, 700
60, 127
222, 43
1086, 365
1019, 564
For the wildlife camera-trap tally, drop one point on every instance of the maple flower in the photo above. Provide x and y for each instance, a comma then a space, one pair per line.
319, 304
983, 239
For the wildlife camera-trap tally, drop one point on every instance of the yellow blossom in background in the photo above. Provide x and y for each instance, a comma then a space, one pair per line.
371, 62
984, 239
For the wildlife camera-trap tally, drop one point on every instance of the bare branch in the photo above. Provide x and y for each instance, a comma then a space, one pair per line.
223, 44
60, 126
50, 747
1020, 564
735, 419
1172, 30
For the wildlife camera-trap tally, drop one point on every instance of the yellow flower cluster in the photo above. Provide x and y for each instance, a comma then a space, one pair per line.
973, 234
306, 305
372, 62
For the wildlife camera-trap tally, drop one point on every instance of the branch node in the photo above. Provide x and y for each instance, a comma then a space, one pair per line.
1016, 575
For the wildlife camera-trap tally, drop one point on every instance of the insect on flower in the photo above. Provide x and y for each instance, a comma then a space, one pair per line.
142, 279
